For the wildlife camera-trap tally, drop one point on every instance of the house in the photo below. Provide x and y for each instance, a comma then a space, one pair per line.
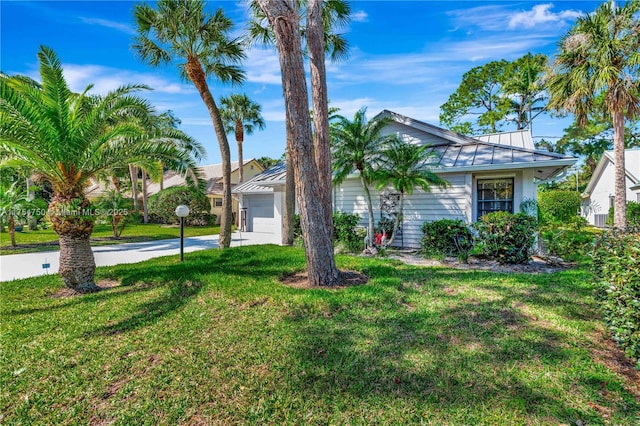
486, 173
212, 175
599, 195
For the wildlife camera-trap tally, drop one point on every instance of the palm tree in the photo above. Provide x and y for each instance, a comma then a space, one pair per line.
240, 114
405, 166
356, 147
15, 204
69, 139
600, 56
181, 30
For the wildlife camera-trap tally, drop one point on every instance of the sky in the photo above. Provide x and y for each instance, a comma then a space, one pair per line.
404, 56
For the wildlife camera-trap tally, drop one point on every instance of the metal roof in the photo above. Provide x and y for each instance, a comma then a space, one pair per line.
265, 181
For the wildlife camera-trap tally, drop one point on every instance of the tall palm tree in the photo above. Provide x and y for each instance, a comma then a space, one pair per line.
183, 31
405, 166
357, 147
68, 139
240, 115
318, 26
599, 56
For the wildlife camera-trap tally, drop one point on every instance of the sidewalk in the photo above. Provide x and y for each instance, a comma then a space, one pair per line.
16, 266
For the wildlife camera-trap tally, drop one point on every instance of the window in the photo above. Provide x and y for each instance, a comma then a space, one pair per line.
217, 202
495, 195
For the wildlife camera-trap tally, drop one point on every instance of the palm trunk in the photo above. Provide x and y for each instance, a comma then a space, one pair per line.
12, 230
284, 19
197, 76
133, 172
145, 198
320, 102
240, 140
367, 196
161, 177
620, 200
77, 264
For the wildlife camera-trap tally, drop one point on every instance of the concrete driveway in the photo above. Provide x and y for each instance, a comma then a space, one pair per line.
16, 266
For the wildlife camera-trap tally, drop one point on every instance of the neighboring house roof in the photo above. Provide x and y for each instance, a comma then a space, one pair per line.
211, 173
631, 165
265, 181
452, 153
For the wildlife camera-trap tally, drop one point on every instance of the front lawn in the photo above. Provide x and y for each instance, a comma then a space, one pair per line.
46, 239
218, 339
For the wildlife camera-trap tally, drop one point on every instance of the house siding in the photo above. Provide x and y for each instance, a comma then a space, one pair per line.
596, 208
420, 207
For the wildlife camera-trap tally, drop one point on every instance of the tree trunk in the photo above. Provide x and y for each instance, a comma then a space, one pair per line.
240, 140
12, 230
367, 196
284, 19
620, 189
161, 177
289, 216
145, 198
320, 102
74, 228
133, 172
197, 76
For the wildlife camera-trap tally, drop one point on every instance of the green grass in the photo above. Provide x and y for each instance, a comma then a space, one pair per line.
218, 340
46, 239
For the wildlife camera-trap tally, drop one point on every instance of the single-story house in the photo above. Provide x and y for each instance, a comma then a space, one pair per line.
599, 195
486, 173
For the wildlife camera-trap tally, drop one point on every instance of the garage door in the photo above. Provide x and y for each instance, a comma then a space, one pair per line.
260, 213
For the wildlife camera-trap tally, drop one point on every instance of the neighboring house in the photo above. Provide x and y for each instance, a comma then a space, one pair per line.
212, 175
487, 173
599, 195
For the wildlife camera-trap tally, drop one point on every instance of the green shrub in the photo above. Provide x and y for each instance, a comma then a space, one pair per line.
633, 214
345, 231
615, 265
446, 237
558, 206
506, 237
567, 243
162, 206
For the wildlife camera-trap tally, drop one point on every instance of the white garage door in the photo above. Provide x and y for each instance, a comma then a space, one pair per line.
260, 213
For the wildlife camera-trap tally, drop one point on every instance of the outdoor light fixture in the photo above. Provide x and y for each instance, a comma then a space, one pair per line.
182, 211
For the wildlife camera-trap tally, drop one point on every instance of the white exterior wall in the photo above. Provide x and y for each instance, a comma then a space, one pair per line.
599, 202
449, 203
458, 201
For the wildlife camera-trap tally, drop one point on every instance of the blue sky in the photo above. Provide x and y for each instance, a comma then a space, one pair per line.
406, 56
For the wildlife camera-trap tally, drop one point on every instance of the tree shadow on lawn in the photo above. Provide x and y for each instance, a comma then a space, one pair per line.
461, 353
185, 280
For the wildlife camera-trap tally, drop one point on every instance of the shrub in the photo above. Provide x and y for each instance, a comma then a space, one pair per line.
446, 237
558, 206
506, 237
569, 244
615, 265
345, 231
633, 214
162, 206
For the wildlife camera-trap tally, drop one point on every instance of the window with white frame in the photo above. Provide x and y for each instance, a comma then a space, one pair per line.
217, 202
495, 195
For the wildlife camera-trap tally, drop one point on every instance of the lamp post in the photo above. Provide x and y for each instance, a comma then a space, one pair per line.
182, 211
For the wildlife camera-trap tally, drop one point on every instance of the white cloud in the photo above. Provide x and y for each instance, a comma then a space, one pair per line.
540, 14
105, 79
359, 16
263, 66
125, 28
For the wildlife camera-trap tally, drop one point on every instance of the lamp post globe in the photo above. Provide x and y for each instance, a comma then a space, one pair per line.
182, 210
